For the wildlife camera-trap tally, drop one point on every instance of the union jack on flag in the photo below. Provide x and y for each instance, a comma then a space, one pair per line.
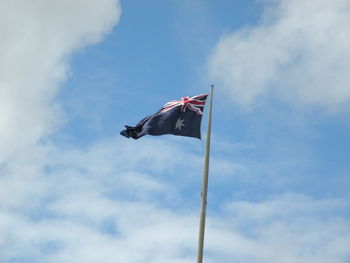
195, 103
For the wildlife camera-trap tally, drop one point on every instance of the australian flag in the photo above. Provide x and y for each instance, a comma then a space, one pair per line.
179, 117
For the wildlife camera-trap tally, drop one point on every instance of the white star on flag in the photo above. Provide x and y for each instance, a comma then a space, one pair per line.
179, 123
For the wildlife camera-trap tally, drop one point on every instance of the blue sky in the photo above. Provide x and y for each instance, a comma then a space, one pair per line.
74, 72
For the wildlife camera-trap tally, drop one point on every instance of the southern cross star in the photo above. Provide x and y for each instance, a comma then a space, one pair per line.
179, 124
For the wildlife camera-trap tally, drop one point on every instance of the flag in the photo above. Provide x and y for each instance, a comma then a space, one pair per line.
178, 117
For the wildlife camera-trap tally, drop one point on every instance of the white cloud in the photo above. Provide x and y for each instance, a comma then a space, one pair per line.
288, 228
87, 204
299, 53
80, 213
82, 204
37, 38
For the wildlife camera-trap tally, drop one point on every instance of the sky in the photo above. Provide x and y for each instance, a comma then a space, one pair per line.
72, 73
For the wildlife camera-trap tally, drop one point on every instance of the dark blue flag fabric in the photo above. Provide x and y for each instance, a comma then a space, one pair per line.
179, 117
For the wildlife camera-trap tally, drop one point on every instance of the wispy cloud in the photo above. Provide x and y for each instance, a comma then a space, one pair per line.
287, 228
86, 205
101, 203
298, 53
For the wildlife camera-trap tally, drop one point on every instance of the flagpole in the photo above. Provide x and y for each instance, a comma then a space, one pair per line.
205, 184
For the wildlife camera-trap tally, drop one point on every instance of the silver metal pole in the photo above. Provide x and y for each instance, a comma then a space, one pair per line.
205, 185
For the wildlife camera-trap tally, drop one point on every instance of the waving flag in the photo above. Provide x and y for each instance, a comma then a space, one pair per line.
179, 117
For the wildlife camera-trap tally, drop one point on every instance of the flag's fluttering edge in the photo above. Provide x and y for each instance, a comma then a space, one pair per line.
179, 117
